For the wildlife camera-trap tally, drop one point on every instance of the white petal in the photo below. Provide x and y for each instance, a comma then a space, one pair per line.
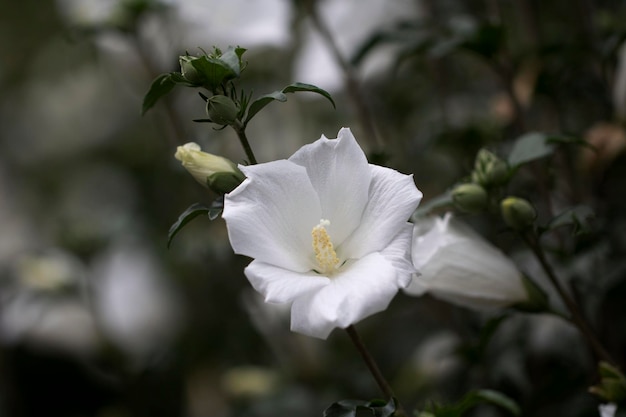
279, 285
358, 290
432, 234
393, 197
399, 254
271, 214
474, 275
459, 266
341, 176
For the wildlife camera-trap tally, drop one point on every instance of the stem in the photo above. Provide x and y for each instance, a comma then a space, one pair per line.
577, 317
373, 367
352, 84
241, 133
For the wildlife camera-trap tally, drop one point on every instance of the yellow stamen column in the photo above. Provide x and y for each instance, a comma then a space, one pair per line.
324, 251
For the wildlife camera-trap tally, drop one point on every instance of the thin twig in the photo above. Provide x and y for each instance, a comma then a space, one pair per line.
352, 84
577, 317
373, 367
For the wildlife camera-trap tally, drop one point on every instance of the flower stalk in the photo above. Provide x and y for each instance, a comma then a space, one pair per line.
577, 317
241, 133
369, 360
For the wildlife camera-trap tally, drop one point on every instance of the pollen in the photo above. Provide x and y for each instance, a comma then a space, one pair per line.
324, 251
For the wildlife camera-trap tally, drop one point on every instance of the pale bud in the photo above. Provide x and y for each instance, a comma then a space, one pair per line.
215, 172
489, 169
471, 198
222, 110
190, 73
517, 213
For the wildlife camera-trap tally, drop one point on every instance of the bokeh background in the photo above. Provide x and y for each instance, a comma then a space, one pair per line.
99, 318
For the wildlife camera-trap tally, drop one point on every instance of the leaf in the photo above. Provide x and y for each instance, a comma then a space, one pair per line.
263, 101
530, 147
188, 215
216, 208
577, 216
266, 99
472, 399
499, 399
232, 58
213, 71
360, 408
161, 85
295, 87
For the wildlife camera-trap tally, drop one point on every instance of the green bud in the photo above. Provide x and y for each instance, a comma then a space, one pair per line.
224, 182
489, 169
471, 198
517, 212
222, 110
215, 172
190, 73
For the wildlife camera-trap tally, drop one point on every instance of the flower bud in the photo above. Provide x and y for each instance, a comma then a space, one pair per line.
215, 172
489, 169
222, 110
517, 212
190, 73
471, 198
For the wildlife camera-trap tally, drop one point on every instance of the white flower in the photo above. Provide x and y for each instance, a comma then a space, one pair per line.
328, 232
457, 265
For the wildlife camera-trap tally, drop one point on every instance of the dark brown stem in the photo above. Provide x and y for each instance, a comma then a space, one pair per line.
373, 367
241, 133
577, 317
352, 84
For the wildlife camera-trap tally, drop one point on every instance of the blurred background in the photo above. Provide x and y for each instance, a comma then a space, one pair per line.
99, 318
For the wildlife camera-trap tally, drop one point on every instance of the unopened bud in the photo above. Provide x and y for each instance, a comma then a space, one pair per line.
215, 172
190, 73
471, 198
222, 110
517, 212
489, 169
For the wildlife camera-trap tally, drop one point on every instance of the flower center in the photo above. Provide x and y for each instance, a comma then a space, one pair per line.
324, 251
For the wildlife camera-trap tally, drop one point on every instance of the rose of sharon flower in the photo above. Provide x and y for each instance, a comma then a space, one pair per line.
459, 266
328, 233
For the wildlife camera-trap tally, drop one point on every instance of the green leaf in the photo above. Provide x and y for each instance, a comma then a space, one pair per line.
472, 399
263, 101
213, 71
216, 208
360, 408
162, 85
266, 99
530, 147
499, 399
232, 58
295, 87
577, 216
188, 215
